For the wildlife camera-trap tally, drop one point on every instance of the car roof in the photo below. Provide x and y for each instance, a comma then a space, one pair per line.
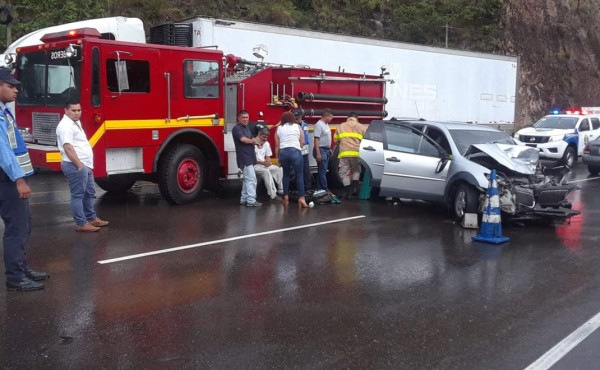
449, 125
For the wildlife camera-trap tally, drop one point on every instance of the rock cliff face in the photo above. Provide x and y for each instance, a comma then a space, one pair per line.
558, 44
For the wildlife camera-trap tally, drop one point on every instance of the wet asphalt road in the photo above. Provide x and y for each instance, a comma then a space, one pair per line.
401, 287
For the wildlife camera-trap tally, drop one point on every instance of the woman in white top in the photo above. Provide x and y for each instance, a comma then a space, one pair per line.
288, 143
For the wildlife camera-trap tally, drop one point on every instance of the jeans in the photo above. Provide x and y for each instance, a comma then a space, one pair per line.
83, 189
249, 185
17, 228
322, 167
291, 158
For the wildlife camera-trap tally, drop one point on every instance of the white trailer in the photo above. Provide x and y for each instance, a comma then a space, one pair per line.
428, 82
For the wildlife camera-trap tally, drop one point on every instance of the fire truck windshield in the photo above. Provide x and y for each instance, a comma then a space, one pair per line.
48, 78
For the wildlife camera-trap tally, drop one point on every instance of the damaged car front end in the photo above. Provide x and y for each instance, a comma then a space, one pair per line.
527, 189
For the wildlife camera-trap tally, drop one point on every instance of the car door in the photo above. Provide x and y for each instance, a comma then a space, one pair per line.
371, 151
584, 131
595, 128
411, 161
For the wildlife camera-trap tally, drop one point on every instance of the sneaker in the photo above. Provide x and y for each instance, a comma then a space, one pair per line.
25, 284
255, 204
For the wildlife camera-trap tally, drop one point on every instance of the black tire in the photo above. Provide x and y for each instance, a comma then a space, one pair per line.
569, 157
593, 170
115, 184
466, 200
181, 174
333, 176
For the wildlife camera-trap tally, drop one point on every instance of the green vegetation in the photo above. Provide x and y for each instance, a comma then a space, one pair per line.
468, 24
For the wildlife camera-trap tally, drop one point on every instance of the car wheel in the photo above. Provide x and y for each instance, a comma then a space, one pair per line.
569, 157
594, 170
181, 174
466, 200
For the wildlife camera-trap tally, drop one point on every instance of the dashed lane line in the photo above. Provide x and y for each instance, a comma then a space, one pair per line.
175, 249
566, 345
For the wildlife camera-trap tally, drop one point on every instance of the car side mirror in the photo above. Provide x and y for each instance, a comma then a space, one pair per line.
442, 163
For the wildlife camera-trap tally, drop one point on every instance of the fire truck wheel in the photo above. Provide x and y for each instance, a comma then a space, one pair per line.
115, 184
333, 177
181, 174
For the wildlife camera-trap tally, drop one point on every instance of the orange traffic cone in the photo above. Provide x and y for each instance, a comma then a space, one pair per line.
491, 223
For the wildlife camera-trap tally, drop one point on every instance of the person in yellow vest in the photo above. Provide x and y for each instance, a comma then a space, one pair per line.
15, 167
348, 137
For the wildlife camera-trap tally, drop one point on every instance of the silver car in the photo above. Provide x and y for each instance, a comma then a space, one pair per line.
451, 162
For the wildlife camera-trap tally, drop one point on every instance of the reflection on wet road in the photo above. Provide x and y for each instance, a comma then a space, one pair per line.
391, 286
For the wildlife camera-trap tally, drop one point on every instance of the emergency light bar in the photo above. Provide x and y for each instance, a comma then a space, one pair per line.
70, 35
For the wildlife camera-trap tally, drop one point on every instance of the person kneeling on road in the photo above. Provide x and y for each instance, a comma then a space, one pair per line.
272, 175
77, 165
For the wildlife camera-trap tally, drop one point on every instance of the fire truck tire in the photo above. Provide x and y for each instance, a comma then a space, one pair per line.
333, 177
115, 184
181, 174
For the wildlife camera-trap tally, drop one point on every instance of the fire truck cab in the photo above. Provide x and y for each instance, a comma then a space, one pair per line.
164, 113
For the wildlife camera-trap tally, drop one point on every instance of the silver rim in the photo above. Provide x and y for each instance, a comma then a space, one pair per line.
460, 202
570, 158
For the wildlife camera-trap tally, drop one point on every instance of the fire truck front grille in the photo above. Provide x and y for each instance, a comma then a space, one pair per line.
44, 127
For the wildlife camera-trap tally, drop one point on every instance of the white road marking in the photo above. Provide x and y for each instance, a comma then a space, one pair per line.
583, 180
566, 345
168, 250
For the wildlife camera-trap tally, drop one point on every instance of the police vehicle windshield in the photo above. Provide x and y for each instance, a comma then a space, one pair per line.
555, 122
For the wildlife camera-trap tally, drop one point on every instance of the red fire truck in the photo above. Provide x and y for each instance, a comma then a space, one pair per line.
165, 113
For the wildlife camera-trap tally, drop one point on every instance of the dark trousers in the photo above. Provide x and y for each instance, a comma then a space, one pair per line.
307, 174
322, 166
17, 228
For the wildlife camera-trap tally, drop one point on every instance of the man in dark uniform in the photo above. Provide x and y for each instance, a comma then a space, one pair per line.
15, 167
246, 159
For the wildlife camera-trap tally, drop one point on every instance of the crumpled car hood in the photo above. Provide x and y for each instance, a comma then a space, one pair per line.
517, 158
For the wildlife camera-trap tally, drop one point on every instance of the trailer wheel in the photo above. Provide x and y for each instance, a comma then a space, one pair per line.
181, 174
115, 184
569, 156
465, 200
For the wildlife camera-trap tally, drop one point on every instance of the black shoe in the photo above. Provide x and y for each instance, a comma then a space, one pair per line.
36, 275
25, 284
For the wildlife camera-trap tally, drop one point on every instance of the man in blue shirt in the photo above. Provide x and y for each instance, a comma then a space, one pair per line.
15, 166
246, 158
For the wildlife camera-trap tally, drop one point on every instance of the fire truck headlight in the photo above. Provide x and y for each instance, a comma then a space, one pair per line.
9, 58
70, 51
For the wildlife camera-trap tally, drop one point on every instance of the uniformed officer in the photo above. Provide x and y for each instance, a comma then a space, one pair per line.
15, 167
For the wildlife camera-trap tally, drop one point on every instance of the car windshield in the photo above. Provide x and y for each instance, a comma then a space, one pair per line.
465, 138
555, 122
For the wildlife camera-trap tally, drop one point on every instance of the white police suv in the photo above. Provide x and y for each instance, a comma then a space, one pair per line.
561, 137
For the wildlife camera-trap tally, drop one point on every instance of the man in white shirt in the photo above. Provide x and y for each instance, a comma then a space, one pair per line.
77, 165
272, 175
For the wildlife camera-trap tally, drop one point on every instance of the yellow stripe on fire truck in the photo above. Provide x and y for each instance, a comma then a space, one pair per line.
54, 157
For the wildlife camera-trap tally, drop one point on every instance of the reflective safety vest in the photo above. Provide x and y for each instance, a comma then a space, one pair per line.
16, 142
349, 135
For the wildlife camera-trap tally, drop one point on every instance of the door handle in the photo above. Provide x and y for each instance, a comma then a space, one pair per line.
369, 148
392, 159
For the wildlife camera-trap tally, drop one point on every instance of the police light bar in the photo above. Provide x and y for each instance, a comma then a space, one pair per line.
70, 35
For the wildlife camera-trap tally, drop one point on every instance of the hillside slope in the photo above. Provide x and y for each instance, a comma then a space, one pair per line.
558, 42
